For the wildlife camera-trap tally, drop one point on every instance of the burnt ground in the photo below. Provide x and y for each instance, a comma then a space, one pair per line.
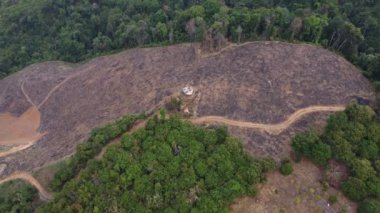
260, 143
259, 82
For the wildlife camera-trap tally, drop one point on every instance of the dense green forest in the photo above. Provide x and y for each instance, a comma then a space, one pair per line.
75, 30
353, 138
18, 196
168, 166
90, 148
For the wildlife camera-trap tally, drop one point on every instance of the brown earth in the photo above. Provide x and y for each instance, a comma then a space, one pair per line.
260, 82
274, 129
20, 130
302, 191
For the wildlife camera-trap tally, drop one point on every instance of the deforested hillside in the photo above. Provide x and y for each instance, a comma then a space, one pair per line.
261, 82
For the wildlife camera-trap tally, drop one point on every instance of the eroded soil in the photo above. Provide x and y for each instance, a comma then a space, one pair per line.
20, 130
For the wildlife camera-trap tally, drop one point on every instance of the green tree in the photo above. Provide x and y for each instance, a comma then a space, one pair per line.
162, 31
355, 189
310, 144
286, 168
211, 8
313, 27
363, 169
369, 206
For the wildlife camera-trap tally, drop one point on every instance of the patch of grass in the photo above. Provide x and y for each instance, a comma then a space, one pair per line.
332, 199
312, 190
297, 200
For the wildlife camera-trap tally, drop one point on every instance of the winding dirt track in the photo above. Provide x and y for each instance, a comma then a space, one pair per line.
51, 92
15, 149
274, 129
26, 125
44, 194
26, 95
270, 128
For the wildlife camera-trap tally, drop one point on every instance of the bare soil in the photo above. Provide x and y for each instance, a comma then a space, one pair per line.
261, 82
274, 129
20, 130
302, 191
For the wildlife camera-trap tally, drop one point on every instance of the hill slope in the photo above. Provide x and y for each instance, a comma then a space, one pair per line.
261, 82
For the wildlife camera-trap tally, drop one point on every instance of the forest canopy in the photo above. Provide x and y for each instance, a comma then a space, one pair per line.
18, 196
353, 138
168, 166
40, 30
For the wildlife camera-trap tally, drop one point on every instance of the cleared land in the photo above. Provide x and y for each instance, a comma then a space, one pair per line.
261, 82
20, 130
302, 191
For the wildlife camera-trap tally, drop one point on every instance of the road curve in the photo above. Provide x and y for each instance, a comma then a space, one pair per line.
274, 129
15, 149
26, 95
270, 128
44, 194
52, 91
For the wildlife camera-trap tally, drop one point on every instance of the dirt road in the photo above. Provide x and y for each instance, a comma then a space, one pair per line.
15, 149
270, 128
20, 131
26, 95
51, 92
44, 194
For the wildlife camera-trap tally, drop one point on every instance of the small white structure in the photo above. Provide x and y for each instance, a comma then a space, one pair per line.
188, 90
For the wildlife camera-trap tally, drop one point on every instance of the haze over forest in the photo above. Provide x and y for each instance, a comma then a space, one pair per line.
189, 106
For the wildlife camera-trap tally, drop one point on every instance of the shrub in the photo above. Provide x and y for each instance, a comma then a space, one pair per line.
332, 199
286, 168
267, 164
174, 105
